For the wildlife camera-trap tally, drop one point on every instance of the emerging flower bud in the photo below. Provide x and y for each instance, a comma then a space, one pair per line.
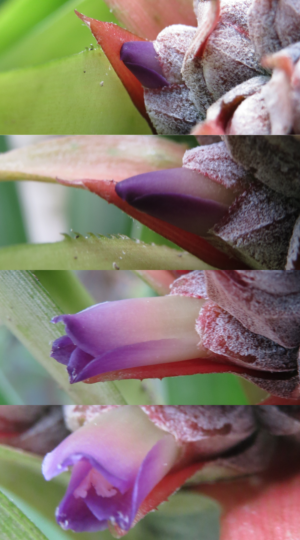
140, 57
128, 333
117, 460
214, 197
181, 197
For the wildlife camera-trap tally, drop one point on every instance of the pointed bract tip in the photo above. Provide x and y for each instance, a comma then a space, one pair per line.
85, 19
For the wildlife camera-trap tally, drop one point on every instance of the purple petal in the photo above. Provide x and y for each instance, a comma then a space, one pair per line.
154, 467
78, 361
190, 214
117, 459
73, 513
137, 354
62, 349
108, 326
141, 59
175, 196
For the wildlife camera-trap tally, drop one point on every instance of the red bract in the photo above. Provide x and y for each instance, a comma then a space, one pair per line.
265, 506
191, 242
146, 18
111, 38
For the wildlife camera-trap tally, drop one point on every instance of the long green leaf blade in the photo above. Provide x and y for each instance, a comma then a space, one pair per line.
80, 94
60, 34
14, 524
97, 253
17, 17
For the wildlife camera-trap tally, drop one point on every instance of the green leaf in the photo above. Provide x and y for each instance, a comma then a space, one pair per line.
211, 389
65, 289
94, 252
60, 34
67, 97
14, 524
27, 309
17, 17
12, 229
183, 516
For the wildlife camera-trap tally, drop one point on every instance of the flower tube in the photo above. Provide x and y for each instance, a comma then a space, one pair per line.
212, 321
181, 197
127, 333
117, 459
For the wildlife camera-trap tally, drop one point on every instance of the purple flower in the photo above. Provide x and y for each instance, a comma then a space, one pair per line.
181, 197
142, 60
117, 460
128, 333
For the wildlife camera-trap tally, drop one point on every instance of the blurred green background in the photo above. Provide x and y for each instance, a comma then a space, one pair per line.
44, 87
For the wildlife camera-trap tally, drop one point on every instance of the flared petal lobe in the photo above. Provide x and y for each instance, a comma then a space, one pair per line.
117, 460
128, 333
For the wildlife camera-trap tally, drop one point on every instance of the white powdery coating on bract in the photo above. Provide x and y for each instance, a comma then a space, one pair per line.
293, 258
280, 421
170, 109
223, 334
215, 162
250, 118
287, 21
192, 285
266, 302
77, 416
259, 225
228, 56
171, 45
273, 24
228, 60
273, 160
296, 97
288, 388
189, 423
221, 112
277, 100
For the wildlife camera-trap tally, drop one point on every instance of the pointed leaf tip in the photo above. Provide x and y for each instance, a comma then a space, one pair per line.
111, 38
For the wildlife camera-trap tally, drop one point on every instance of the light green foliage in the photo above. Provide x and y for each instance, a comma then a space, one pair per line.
94, 252
14, 524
